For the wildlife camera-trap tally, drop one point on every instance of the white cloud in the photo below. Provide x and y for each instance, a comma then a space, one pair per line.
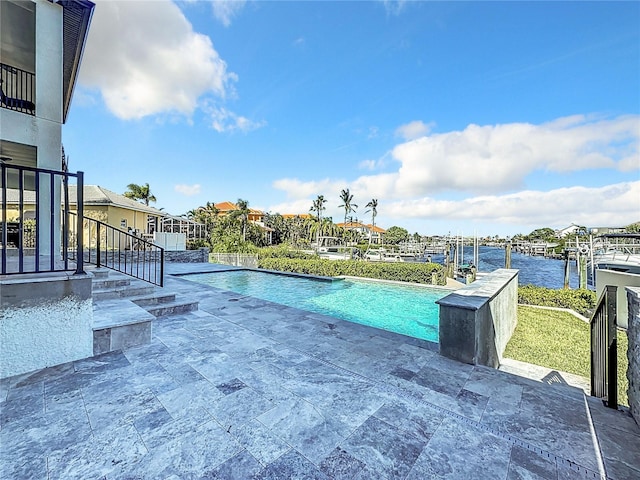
489, 161
145, 59
394, 7
368, 164
372, 164
295, 207
613, 205
494, 159
223, 120
225, 10
413, 130
188, 190
297, 189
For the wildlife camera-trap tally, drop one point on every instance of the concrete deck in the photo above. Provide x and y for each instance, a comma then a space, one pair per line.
244, 388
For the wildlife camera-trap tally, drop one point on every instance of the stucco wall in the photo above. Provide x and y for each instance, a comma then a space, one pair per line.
477, 321
44, 130
633, 333
44, 322
135, 219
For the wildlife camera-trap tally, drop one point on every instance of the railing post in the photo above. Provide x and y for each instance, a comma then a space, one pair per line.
612, 347
52, 221
98, 244
79, 223
4, 174
162, 267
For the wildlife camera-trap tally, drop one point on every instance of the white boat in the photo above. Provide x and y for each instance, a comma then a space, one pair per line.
330, 248
619, 252
382, 255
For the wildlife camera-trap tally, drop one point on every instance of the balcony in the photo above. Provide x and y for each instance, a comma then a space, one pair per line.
17, 89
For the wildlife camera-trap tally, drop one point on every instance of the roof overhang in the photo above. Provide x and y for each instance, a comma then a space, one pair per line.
76, 18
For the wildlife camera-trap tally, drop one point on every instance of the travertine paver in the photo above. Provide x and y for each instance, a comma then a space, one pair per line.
246, 389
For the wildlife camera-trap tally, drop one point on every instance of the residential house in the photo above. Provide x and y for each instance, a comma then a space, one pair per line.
224, 208
566, 231
44, 319
41, 44
255, 216
606, 230
366, 231
117, 210
303, 216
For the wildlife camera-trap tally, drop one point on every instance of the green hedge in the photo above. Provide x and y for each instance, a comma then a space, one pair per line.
582, 301
405, 272
283, 251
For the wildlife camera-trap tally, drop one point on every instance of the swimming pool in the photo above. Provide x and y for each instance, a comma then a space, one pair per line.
409, 310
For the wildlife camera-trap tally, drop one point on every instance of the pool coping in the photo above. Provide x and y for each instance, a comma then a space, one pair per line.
231, 268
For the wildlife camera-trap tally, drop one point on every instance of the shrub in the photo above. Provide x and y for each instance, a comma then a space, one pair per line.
234, 244
405, 272
283, 251
582, 301
197, 243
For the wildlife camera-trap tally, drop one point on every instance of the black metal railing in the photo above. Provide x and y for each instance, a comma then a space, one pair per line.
17, 89
33, 239
124, 252
604, 348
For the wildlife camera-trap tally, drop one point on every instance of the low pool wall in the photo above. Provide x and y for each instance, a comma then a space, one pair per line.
477, 321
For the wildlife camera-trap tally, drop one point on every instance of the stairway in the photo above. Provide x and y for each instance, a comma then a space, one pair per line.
124, 309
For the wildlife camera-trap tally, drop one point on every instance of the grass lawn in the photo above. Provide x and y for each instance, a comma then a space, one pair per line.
560, 341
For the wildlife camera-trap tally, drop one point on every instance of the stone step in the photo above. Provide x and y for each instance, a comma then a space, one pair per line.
122, 291
98, 273
119, 323
104, 283
156, 297
175, 307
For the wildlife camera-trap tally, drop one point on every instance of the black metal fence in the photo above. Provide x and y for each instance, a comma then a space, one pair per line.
604, 348
124, 252
33, 239
17, 89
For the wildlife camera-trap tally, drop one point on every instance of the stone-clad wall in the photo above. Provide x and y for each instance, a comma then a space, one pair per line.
187, 256
477, 321
633, 332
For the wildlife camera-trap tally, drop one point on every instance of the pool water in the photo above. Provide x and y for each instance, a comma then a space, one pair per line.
409, 310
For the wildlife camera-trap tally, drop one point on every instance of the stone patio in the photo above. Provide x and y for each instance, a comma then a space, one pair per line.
243, 388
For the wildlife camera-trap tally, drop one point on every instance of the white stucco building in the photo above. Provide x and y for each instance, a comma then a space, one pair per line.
41, 44
45, 318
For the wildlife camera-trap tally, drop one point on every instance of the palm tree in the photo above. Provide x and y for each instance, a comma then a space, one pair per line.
206, 215
347, 198
318, 207
242, 213
373, 208
139, 192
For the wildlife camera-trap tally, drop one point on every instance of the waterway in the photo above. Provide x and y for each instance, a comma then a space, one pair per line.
534, 270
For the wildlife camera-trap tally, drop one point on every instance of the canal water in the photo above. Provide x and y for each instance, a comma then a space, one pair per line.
534, 270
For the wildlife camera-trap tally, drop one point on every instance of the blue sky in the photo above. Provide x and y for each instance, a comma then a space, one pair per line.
495, 118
